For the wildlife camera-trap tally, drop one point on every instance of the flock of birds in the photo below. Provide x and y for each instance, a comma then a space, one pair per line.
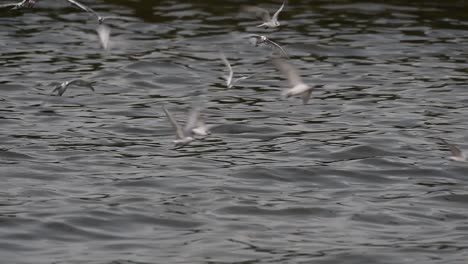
195, 126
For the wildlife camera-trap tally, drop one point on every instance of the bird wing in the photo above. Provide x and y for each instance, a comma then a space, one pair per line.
81, 83
276, 45
306, 96
456, 152
83, 7
57, 89
289, 71
228, 65
118, 18
103, 32
194, 120
275, 16
259, 12
8, 5
179, 132
239, 79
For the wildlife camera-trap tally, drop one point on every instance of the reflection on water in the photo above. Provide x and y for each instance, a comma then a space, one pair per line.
356, 176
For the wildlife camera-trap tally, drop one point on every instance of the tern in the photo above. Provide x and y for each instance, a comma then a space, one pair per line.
194, 126
24, 3
230, 82
268, 21
91, 11
457, 154
298, 87
260, 39
61, 88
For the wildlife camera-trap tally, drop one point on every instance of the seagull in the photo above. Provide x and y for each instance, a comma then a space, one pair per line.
259, 39
24, 3
229, 81
103, 32
271, 22
297, 85
61, 88
457, 154
91, 11
194, 125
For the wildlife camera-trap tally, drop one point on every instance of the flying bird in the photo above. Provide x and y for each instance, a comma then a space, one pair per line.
194, 126
260, 39
457, 154
230, 82
297, 86
268, 21
61, 88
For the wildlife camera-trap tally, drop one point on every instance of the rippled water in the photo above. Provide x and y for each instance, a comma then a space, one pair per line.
355, 176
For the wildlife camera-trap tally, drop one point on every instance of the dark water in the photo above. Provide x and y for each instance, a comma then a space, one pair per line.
355, 176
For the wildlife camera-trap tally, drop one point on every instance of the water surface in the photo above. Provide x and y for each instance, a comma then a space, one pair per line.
355, 176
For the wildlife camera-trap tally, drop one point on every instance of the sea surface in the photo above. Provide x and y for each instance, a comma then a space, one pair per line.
358, 175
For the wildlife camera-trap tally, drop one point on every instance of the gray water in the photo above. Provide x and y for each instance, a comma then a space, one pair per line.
355, 176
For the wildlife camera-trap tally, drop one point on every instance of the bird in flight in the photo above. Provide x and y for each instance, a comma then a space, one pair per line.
268, 21
194, 126
457, 154
61, 88
297, 86
260, 39
230, 82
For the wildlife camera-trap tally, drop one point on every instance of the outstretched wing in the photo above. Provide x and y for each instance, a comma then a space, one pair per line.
288, 70
84, 8
276, 45
194, 120
103, 32
58, 90
81, 83
456, 152
9, 5
179, 132
275, 16
228, 65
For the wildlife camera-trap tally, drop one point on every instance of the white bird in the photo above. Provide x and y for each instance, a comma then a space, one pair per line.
103, 32
91, 11
260, 39
298, 87
268, 21
457, 154
24, 3
194, 125
61, 88
230, 82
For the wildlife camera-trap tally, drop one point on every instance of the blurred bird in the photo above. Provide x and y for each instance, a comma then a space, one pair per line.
102, 30
298, 87
61, 88
457, 154
194, 125
230, 82
259, 39
268, 21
